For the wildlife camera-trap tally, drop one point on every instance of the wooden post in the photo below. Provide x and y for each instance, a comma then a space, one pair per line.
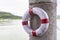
50, 7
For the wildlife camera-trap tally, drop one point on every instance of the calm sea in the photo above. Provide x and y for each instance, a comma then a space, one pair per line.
13, 30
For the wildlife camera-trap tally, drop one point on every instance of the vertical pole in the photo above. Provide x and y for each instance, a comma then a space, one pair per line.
50, 7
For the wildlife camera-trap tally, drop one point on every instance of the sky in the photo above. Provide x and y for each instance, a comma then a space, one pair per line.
16, 7
19, 7
58, 7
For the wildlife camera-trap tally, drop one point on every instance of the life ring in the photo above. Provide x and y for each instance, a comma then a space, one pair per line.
44, 21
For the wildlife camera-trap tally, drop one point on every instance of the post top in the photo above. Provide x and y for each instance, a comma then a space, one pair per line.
36, 1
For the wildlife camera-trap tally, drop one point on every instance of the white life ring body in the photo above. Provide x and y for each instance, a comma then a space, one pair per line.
44, 21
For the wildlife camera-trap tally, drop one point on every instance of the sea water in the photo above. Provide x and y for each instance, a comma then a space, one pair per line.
13, 30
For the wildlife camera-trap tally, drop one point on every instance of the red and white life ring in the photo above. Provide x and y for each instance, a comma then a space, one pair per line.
44, 21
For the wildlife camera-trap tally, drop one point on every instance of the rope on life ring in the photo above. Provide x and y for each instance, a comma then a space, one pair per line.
44, 21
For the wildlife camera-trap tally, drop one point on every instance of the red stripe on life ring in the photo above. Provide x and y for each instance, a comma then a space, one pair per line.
33, 33
44, 21
30, 11
25, 23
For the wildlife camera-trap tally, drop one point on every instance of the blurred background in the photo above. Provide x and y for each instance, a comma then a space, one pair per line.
11, 12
